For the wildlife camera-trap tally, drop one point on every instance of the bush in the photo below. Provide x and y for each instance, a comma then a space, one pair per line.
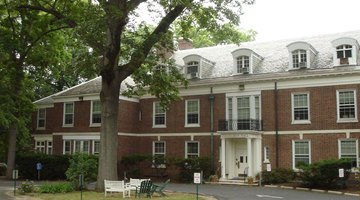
132, 164
84, 164
56, 188
191, 165
27, 187
325, 174
278, 175
54, 166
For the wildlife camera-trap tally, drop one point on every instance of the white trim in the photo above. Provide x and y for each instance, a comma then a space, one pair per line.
293, 151
186, 113
73, 114
308, 121
296, 132
186, 148
81, 147
348, 120
81, 137
93, 147
153, 116
42, 137
356, 145
38, 118
64, 144
47, 147
91, 113
153, 149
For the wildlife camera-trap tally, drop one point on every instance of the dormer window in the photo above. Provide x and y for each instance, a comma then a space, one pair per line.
192, 69
302, 55
299, 59
243, 64
345, 51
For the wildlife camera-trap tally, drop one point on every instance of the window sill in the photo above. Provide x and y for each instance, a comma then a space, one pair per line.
95, 125
40, 129
301, 122
68, 126
347, 121
192, 125
159, 126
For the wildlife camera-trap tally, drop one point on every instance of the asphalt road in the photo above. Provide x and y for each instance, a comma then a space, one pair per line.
6, 186
231, 192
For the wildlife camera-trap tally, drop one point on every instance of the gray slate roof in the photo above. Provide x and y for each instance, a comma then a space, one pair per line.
275, 53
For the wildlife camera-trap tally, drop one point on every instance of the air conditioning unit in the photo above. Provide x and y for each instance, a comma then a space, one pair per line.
193, 75
344, 61
245, 70
302, 65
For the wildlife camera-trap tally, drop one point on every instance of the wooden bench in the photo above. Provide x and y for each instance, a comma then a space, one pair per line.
135, 183
159, 188
117, 186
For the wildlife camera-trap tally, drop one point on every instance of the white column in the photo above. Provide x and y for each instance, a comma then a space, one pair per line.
258, 151
250, 157
223, 160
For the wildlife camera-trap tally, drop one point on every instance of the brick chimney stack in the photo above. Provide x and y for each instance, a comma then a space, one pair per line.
184, 43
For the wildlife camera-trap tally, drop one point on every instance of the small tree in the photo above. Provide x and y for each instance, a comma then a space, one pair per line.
82, 164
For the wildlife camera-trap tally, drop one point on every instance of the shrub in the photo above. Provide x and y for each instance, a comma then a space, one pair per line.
56, 188
132, 163
54, 166
84, 164
325, 174
191, 165
27, 187
278, 175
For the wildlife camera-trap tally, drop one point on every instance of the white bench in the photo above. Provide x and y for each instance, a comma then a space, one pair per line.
135, 183
117, 186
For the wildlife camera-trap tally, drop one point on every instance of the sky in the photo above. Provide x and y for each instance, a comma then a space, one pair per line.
284, 19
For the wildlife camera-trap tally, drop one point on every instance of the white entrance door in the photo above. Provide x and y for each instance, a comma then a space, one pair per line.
241, 157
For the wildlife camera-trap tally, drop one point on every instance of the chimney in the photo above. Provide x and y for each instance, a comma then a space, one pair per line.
184, 43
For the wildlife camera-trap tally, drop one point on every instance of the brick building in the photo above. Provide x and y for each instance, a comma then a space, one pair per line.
280, 102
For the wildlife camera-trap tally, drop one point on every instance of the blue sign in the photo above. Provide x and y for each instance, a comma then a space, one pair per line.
38, 166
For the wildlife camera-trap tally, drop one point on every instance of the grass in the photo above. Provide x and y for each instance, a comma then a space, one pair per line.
91, 195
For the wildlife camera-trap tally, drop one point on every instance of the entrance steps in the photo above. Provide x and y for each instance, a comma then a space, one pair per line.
234, 182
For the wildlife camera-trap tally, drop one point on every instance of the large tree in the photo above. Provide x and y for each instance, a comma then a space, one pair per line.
127, 46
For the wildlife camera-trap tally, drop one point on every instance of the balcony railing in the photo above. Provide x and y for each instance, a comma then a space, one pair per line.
240, 124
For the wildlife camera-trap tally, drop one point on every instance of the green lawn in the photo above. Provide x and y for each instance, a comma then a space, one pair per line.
90, 195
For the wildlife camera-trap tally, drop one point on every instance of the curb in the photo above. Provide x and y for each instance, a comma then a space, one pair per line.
313, 190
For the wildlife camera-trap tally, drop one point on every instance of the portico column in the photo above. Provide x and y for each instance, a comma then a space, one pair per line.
223, 160
250, 157
258, 155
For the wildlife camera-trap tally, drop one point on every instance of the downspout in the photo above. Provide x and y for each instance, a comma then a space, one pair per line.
276, 124
212, 99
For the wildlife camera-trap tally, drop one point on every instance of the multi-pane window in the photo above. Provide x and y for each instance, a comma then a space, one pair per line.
348, 149
299, 59
243, 64
301, 109
69, 114
41, 122
49, 147
40, 146
347, 105
344, 51
159, 115
96, 112
82, 146
67, 147
159, 153
243, 106
192, 112
192, 149
96, 147
266, 154
301, 153
192, 69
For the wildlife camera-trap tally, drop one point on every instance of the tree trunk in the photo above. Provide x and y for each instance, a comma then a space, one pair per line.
109, 97
11, 152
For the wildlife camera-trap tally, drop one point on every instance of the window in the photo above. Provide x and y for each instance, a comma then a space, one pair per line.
69, 114
344, 51
266, 154
192, 113
41, 118
159, 115
40, 146
95, 112
346, 106
49, 148
96, 147
301, 153
192, 150
349, 150
192, 69
243, 64
81, 146
299, 59
159, 153
67, 147
300, 104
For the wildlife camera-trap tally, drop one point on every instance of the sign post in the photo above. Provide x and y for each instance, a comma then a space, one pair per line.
81, 183
38, 168
197, 181
15, 176
341, 173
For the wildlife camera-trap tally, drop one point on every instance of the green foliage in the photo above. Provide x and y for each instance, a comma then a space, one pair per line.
56, 188
325, 173
191, 165
132, 163
54, 166
82, 164
279, 175
27, 187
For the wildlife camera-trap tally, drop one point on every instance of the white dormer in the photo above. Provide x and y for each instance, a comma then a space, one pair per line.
345, 51
197, 66
302, 55
245, 60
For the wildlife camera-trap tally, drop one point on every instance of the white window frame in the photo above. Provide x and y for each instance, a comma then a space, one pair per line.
94, 151
41, 118
154, 115
186, 113
92, 113
300, 121
154, 153
193, 64
40, 146
49, 147
356, 145
298, 53
82, 150
192, 154
65, 142
242, 62
346, 120
73, 118
293, 151
266, 154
